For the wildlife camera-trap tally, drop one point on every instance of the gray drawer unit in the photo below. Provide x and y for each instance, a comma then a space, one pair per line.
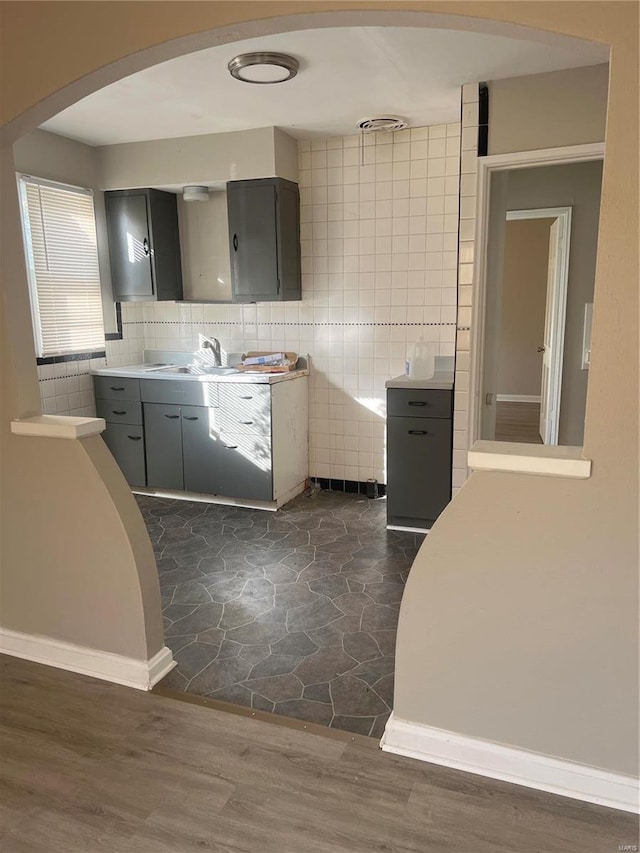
419, 456
126, 443
116, 388
117, 411
419, 403
244, 409
186, 393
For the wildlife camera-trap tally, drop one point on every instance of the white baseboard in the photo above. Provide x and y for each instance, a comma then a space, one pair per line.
517, 398
509, 764
141, 674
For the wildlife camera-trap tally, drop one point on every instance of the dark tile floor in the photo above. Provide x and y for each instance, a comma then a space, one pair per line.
293, 612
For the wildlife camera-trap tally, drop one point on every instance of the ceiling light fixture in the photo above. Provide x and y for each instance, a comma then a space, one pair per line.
263, 67
195, 193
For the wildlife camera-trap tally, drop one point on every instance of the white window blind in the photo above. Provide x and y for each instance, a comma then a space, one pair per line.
62, 258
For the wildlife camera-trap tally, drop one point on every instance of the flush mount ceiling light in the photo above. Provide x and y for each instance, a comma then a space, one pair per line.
195, 193
263, 67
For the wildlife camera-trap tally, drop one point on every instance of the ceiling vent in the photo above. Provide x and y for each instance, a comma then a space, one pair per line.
381, 124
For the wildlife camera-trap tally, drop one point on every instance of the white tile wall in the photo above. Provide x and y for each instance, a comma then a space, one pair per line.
66, 388
468, 182
379, 234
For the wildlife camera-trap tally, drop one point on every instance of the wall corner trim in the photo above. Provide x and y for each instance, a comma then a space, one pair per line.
118, 669
517, 458
58, 426
510, 764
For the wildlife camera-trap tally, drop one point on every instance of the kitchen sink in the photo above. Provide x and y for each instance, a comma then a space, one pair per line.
197, 370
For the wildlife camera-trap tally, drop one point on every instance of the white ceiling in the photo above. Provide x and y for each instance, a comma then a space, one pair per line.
345, 75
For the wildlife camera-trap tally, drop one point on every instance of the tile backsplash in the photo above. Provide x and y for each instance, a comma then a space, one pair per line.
379, 240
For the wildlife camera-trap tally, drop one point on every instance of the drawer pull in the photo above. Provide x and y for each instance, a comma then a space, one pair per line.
172, 417
231, 447
246, 423
187, 418
118, 412
134, 437
115, 388
247, 398
417, 432
417, 403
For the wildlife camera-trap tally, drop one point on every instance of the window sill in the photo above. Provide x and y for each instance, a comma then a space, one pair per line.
547, 460
57, 426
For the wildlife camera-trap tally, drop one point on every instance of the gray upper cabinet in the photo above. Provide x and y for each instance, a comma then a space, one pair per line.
144, 245
264, 240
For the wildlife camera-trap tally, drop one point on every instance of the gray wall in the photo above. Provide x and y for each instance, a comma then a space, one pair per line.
548, 110
576, 185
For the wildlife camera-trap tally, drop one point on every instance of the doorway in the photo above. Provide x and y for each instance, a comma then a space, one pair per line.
536, 289
531, 333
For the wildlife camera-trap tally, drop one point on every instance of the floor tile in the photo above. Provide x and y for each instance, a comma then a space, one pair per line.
293, 612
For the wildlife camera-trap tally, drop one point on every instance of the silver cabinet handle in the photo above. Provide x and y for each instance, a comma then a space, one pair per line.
118, 412
172, 417
417, 432
187, 418
135, 437
114, 388
231, 447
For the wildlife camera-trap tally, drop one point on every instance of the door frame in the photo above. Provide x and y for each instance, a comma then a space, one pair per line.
558, 309
486, 167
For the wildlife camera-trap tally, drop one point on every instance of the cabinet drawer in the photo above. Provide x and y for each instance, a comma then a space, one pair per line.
126, 412
116, 388
245, 469
247, 405
179, 392
419, 403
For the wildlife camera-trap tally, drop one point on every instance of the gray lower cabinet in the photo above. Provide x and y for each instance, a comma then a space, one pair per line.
419, 456
236, 440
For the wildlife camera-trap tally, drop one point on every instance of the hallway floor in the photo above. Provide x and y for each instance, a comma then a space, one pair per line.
293, 612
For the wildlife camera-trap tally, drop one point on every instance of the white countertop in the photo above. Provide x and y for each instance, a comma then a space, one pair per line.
147, 371
442, 380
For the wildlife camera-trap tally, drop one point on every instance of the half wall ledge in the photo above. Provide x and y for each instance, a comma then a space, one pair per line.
58, 426
519, 458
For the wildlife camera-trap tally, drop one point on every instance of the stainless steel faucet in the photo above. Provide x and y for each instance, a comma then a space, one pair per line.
212, 344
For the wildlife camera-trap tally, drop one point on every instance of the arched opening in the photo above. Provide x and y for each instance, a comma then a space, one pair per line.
18, 306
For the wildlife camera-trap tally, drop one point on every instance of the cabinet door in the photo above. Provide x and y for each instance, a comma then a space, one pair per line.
201, 450
165, 244
163, 439
129, 246
252, 241
419, 468
126, 443
246, 466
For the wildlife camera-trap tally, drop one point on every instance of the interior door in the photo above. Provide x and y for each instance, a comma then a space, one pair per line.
547, 396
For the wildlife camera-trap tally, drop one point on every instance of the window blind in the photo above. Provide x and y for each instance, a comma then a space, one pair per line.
62, 258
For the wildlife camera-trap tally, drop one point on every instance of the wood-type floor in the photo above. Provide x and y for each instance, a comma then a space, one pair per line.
90, 767
518, 422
